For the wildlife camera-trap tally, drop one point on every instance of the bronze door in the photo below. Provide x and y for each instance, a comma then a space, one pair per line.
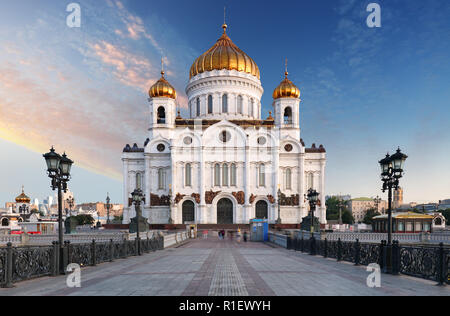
225, 212
188, 212
262, 210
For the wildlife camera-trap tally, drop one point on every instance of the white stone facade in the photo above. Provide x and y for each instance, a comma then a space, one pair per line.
225, 147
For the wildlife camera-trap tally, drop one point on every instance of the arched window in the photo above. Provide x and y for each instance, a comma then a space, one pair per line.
225, 103
5, 222
288, 179
262, 175
217, 175
225, 175
138, 181
198, 106
239, 104
188, 175
288, 115
161, 179
161, 115
210, 104
250, 107
233, 175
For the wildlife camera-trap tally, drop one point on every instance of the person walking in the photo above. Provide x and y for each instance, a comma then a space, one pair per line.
245, 236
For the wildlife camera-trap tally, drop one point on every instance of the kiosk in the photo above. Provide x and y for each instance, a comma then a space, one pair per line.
259, 230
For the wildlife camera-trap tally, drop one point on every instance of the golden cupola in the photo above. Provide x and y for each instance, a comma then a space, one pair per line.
23, 198
224, 55
286, 89
162, 89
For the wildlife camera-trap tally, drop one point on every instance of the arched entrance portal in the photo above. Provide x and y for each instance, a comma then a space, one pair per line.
188, 212
262, 210
225, 212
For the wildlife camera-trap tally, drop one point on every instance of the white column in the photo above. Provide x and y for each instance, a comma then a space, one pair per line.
301, 184
323, 218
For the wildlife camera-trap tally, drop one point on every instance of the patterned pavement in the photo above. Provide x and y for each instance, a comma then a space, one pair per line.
226, 268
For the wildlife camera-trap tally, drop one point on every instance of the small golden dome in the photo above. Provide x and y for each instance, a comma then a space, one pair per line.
162, 89
224, 55
23, 198
286, 89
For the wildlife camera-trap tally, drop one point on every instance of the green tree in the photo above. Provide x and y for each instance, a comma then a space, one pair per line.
84, 219
332, 205
446, 214
370, 214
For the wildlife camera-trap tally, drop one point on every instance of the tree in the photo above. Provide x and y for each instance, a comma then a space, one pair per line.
370, 214
332, 205
446, 214
84, 219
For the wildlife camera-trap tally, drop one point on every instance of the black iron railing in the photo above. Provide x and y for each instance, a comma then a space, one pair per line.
24, 263
428, 262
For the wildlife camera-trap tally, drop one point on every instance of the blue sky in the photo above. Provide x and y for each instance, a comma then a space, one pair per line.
365, 91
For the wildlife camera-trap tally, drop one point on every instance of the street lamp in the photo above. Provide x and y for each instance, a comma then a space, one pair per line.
377, 202
391, 172
340, 205
279, 205
108, 207
71, 202
170, 205
137, 197
312, 197
58, 170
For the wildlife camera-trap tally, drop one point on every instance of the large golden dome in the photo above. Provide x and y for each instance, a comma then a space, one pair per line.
286, 89
162, 89
224, 55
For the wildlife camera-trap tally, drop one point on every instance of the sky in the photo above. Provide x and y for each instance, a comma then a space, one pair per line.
365, 91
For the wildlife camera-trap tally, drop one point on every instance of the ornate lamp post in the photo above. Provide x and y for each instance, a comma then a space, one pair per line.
279, 205
170, 205
137, 196
312, 197
377, 202
391, 172
58, 170
71, 202
108, 207
340, 205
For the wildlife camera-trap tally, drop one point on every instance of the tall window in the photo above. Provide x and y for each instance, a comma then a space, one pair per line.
233, 175
225, 103
198, 106
138, 181
217, 175
288, 116
188, 175
225, 175
250, 108
310, 181
239, 104
262, 175
288, 179
161, 179
161, 115
210, 104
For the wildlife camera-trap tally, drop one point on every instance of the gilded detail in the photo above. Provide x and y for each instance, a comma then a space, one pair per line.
224, 55
286, 89
162, 89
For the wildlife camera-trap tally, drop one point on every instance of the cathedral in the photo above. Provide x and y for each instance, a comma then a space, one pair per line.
226, 163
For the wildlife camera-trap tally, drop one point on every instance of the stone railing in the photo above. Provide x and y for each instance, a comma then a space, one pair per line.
174, 239
434, 238
278, 239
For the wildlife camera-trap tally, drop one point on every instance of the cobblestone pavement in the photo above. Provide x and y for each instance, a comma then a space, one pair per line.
226, 268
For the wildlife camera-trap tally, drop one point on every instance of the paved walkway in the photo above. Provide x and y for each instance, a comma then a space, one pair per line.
226, 268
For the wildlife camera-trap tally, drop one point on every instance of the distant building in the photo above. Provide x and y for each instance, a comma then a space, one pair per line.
343, 197
444, 204
404, 222
100, 208
360, 206
398, 198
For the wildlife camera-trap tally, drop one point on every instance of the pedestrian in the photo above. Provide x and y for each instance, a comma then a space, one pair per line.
220, 234
245, 236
